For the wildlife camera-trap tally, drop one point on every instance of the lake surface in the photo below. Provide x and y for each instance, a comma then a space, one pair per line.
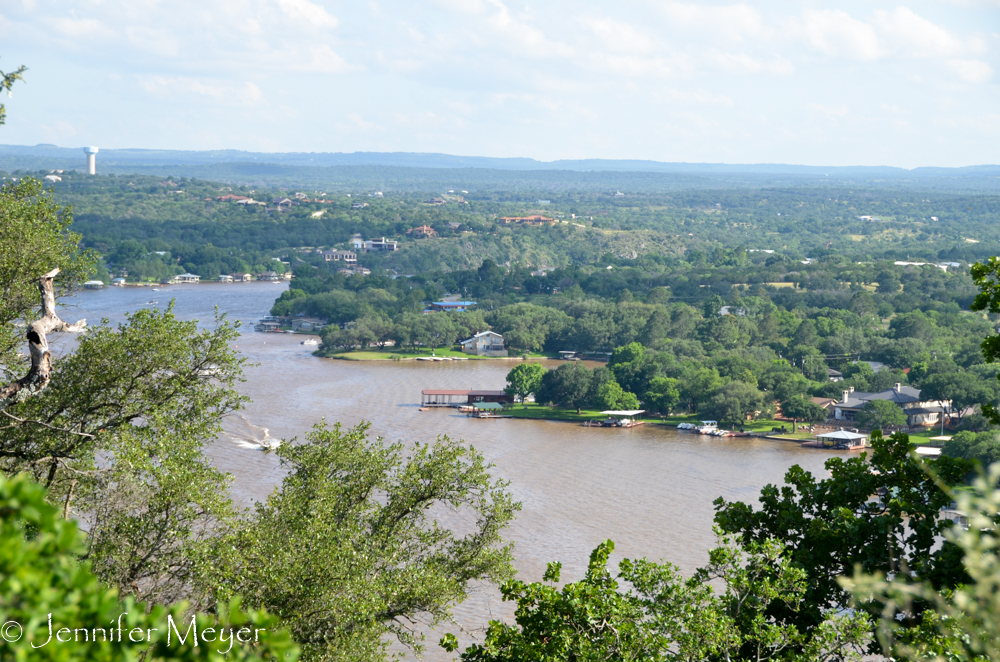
649, 489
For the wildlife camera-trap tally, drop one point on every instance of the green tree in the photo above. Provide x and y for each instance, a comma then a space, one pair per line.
881, 414
831, 524
7, 81
151, 392
734, 402
34, 239
664, 617
663, 394
569, 385
524, 379
800, 409
612, 396
41, 578
958, 624
963, 389
348, 550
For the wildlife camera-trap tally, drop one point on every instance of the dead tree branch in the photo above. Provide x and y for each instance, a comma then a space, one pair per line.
41, 360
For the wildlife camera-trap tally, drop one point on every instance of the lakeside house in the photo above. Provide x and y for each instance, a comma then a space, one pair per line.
269, 276
451, 306
347, 257
422, 232
918, 411
118, 282
185, 278
314, 324
242, 278
225, 278
486, 343
536, 219
460, 397
93, 285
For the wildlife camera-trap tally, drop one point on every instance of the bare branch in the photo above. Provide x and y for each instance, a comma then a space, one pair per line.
41, 360
44, 425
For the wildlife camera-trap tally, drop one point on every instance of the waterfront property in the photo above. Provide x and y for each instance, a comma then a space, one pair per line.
313, 324
347, 257
242, 278
918, 411
451, 306
486, 343
431, 397
94, 285
185, 278
225, 278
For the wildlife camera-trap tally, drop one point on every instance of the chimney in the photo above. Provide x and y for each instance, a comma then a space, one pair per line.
846, 393
897, 387
851, 389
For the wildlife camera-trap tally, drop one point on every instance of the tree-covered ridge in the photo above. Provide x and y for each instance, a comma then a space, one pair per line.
180, 215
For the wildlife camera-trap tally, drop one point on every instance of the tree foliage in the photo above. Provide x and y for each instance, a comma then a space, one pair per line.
350, 548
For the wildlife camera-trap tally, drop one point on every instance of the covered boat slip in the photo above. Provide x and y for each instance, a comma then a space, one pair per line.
485, 410
617, 418
841, 439
436, 397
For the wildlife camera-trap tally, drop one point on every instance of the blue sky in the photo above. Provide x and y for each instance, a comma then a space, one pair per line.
806, 82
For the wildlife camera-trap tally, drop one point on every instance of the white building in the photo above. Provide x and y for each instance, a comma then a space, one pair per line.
918, 411
186, 278
486, 343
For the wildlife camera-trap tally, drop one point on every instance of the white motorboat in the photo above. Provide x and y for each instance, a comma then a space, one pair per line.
707, 427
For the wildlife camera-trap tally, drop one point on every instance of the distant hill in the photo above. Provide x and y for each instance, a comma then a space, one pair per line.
416, 171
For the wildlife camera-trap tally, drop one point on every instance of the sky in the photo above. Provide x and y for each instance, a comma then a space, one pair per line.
809, 82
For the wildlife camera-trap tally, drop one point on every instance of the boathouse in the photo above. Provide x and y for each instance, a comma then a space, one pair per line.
434, 397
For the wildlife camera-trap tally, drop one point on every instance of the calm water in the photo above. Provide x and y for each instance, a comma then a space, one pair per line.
648, 489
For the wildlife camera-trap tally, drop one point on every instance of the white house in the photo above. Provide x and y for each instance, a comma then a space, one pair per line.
347, 257
918, 411
486, 343
186, 278
225, 278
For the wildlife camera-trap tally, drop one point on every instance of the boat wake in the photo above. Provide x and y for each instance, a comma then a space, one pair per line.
245, 434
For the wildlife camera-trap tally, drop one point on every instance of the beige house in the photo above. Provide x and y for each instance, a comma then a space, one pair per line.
486, 343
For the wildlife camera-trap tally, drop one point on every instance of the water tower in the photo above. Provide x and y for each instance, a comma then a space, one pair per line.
91, 153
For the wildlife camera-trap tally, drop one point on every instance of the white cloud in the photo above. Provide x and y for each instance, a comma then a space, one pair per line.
727, 22
158, 42
80, 27
304, 10
837, 33
916, 36
618, 36
324, 59
971, 71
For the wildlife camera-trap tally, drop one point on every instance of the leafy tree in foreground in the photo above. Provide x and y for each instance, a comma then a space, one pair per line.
145, 397
41, 576
664, 617
351, 548
7, 80
524, 379
881, 414
833, 524
961, 624
663, 394
987, 279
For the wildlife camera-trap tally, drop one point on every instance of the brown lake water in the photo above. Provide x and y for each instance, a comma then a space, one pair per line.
649, 489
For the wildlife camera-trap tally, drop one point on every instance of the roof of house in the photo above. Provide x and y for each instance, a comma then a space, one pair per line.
496, 393
454, 303
481, 334
905, 395
439, 391
842, 434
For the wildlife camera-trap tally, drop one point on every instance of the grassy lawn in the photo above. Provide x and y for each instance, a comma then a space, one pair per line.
749, 426
408, 354
536, 411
